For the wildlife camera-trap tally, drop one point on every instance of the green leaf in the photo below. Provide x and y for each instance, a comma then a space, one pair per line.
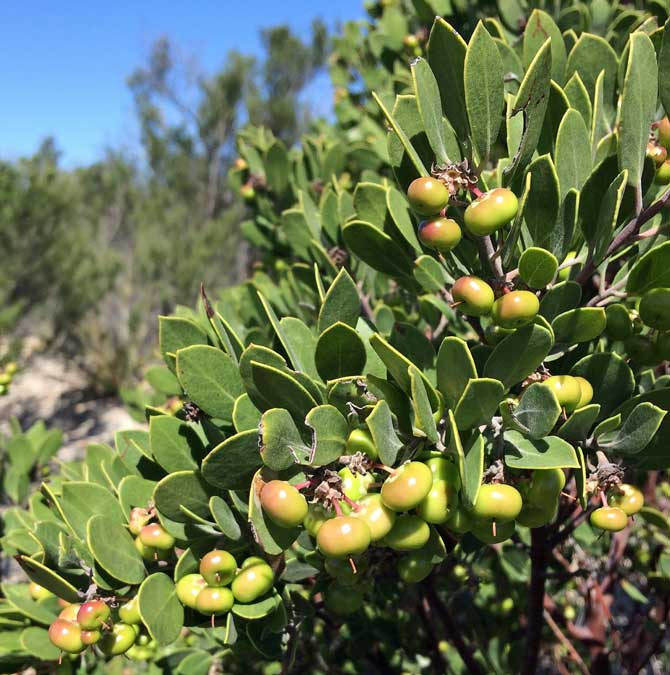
48, 578
36, 642
591, 55
377, 249
541, 26
531, 101
245, 414
473, 467
282, 390
636, 432
175, 333
400, 215
18, 598
380, 424
478, 403
330, 431
340, 352
113, 549
135, 491
300, 335
430, 107
456, 446
402, 136
664, 68
543, 453
579, 98
518, 355
259, 609
579, 325
341, 304
652, 270
538, 411
160, 609
455, 368
537, 267
610, 377
608, 215
398, 365
175, 445
446, 55
182, 488
225, 518
424, 423
573, 152
281, 445
600, 124
560, 298
484, 90
655, 518
232, 463
638, 106
210, 379
80, 501
543, 202
370, 204
577, 426
430, 274
277, 168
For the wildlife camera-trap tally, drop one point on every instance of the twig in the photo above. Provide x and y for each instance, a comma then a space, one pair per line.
487, 250
612, 290
534, 620
574, 654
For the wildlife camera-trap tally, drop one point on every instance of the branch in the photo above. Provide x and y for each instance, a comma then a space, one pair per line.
534, 612
453, 632
572, 652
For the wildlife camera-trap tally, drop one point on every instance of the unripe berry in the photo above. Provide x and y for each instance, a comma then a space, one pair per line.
213, 600
315, 518
66, 635
283, 504
441, 234
444, 469
119, 640
545, 487
427, 196
376, 515
240, 164
626, 497
657, 152
459, 520
609, 518
437, 504
360, 440
90, 637
497, 501
188, 588
619, 323
156, 536
92, 615
342, 599
252, 582
664, 133
149, 553
130, 611
567, 389
343, 536
654, 308
411, 41
218, 568
252, 560
408, 534
534, 516
474, 295
38, 592
491, 211
138, 519
414, 567
662, 176
407, 486
70, 612
587, 391
515, 309
247, 192
483, 530
354, 485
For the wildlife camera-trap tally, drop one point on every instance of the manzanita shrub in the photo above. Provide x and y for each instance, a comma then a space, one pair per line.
422, 436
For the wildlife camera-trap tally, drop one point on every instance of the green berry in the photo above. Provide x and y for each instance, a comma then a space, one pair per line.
376, 515
663, 174
218, 568
252, 582
93, 614
66, 635
38, 592
474, 295
343, 536
414, 567
408, 534
483, 530
491, 211
427, 196
441, 234
664, 133
407, 486
156, 536
188, 588
587, 391
315, 518
657, 152
342, 599
609, 518
515, 309
626, 497
497, 501
567, 389
360, 440
214, 600
130, 611
435, 507
283, 503
119, 640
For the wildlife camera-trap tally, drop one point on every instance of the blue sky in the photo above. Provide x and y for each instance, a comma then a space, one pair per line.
65, 64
